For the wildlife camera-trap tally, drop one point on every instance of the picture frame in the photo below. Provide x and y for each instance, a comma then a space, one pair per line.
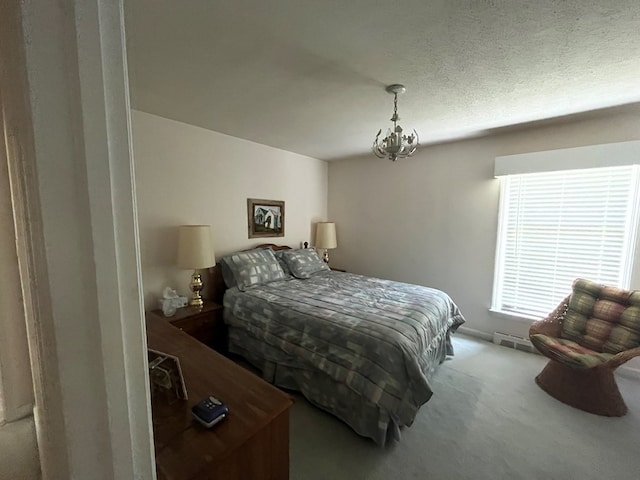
165, 376
265, 218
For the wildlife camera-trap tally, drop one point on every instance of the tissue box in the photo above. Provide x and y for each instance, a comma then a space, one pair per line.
181, 301
175, 302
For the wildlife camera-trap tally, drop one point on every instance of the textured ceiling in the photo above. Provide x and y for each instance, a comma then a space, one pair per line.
308, 76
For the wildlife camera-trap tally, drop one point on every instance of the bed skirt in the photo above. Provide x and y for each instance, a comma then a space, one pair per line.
368, 419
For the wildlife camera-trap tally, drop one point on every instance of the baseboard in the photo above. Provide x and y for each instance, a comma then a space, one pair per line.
476, 333
625, 371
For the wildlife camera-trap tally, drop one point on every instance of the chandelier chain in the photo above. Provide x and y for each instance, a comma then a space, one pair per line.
395, 105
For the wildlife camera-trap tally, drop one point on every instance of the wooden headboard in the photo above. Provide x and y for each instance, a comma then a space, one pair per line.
216, 283
272, 246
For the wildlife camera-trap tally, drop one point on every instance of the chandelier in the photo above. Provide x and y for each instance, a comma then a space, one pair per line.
395, 145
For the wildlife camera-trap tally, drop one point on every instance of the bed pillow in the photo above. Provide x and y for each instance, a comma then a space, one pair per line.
304, 262
283, 263
227, 273
254, 267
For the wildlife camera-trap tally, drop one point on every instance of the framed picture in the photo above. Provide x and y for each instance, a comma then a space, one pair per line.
266, 218
166, 377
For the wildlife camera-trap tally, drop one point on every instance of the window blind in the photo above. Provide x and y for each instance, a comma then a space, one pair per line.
558, 226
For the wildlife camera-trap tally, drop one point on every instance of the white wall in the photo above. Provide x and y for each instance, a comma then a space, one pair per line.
190, 175
19, 451
18, 447
432, 219
79, 258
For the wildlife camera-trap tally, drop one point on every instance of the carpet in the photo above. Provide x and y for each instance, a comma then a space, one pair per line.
486, 420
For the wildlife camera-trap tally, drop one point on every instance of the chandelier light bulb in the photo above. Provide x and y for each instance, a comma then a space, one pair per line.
395, 145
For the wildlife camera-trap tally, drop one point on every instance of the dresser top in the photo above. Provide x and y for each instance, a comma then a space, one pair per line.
181, 442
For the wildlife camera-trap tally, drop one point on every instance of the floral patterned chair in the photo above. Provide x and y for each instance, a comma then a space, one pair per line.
590, 334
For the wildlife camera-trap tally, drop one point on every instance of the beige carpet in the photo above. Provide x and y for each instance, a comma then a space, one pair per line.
486, 420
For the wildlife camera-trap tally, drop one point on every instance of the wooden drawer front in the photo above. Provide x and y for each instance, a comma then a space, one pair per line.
201, 327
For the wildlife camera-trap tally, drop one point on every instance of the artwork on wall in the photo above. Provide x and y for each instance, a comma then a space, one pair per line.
265, 217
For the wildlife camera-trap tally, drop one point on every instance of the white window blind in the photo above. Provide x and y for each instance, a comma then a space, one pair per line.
558, 226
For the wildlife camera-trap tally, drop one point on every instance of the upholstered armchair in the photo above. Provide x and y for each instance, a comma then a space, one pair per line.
591, 333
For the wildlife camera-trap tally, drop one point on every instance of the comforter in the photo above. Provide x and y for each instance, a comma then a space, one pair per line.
356, 346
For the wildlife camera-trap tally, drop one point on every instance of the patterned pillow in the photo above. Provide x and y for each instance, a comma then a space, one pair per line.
304, 262
227, 273
250, 268
283, 263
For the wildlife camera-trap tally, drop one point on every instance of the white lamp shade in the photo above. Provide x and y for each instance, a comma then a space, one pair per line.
326, 235
195, 247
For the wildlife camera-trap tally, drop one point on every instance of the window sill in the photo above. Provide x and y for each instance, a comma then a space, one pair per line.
514, 316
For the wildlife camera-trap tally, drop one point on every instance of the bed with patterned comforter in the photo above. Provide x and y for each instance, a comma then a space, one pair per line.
361, 348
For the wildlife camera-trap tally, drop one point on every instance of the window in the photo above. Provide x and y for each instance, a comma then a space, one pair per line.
558, 226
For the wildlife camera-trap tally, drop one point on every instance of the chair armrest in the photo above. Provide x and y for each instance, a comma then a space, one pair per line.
552, 324
623, 357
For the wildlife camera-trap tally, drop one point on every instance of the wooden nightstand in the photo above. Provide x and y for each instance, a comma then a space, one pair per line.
205, 324
337, 269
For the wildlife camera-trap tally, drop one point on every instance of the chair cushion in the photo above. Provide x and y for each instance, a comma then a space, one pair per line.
569, 353
601, 318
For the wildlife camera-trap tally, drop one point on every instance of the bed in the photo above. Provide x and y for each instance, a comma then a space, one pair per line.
361, 348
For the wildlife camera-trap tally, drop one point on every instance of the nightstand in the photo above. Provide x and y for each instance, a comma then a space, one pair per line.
204, 324
337, 269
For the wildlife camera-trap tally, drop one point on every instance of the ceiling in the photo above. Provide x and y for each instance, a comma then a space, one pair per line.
308, 76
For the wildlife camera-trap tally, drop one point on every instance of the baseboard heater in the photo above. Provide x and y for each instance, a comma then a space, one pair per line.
513, 341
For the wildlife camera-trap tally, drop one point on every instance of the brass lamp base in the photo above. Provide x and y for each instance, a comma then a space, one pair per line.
196, 288
325, 256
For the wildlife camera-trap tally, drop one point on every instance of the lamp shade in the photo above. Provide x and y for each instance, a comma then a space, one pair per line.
195, 248
326, 235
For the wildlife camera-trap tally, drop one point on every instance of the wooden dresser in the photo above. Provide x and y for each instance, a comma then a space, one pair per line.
252, 443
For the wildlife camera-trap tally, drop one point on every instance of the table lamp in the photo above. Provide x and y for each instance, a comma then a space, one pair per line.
195, 250
326, 238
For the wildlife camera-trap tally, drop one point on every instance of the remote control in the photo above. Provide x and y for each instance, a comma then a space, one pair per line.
209, 411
